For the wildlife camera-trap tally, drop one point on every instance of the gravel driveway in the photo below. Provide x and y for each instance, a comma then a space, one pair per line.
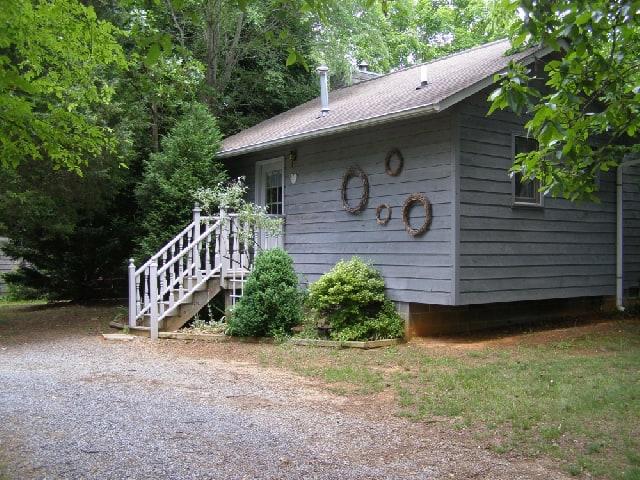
81, 407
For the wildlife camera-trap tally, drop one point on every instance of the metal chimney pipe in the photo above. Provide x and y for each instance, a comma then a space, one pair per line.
324, 89
423, 77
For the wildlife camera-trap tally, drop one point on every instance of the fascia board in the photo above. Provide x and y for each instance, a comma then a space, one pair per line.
487, 82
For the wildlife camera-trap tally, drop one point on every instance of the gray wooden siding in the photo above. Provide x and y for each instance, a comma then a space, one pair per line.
480, 248
631, 196
509, 253
319, 232
6, 265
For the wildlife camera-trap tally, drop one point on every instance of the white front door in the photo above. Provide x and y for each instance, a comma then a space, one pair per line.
270, 194
270, 185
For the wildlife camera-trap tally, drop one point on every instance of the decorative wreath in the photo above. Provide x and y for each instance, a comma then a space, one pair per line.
355, 172
416, 197
387, 168
383, 221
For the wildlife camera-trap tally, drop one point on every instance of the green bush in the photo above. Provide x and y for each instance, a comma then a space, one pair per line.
351, 299
271, 304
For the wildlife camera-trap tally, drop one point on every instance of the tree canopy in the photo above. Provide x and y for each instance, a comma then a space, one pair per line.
72, 232
586, 112
392, 35
53, 57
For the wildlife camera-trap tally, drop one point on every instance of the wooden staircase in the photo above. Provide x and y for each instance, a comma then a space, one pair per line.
211, 256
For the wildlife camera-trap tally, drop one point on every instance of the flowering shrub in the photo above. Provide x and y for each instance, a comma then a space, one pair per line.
230, 198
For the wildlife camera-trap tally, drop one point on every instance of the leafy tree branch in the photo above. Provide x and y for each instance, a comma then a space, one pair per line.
52, 59
586, 116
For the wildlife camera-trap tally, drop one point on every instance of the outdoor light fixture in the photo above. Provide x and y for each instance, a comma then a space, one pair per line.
291, 157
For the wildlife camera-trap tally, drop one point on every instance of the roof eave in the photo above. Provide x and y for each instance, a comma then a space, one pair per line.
488, 81
345, 127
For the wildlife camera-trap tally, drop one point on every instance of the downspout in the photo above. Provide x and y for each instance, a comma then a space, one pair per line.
620, 232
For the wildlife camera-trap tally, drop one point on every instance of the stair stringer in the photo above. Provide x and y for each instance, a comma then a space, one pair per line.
191, 305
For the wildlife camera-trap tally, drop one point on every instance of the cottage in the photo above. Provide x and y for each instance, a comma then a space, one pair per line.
408, 171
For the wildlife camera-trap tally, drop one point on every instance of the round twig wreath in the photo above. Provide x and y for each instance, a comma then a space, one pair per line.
383, 221
416, 197
355, 172
387, 161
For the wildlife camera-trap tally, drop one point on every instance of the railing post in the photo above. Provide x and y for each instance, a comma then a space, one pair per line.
224, 244
196, 234
153, 299
132, 293
196, 212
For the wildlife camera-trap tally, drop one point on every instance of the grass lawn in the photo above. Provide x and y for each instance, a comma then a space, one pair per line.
571, 394
576, 399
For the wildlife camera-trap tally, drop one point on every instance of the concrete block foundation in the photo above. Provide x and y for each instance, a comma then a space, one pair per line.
423, 320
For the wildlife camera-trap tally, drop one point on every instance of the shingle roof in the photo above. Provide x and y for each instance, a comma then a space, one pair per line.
386, 98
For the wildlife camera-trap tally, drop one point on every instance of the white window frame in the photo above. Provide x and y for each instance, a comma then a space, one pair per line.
537, 200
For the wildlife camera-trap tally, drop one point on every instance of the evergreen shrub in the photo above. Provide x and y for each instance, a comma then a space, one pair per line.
271, 304
351, 299
186, 163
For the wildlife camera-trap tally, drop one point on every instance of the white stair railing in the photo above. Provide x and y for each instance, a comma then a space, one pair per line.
208, 247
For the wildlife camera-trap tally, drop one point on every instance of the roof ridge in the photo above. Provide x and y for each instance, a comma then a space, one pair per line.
456, 54
433, 61
469, 50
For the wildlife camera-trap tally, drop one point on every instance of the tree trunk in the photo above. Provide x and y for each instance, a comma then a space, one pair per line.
213, 17
155, 128
223, 48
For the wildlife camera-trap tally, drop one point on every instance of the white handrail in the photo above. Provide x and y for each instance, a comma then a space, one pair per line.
188, 229
158, 289
186, 250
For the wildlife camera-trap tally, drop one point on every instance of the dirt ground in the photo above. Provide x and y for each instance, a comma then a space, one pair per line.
34, 321
456, 346
26, 324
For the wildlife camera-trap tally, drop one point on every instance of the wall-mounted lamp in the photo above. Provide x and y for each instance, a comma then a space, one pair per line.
291, 158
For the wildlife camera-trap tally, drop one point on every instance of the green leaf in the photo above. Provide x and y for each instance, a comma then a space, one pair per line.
583, 18
514, 100
291, 59
153, 54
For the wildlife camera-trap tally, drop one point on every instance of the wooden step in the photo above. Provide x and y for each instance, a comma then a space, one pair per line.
191, 283
187, 310
139, 331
